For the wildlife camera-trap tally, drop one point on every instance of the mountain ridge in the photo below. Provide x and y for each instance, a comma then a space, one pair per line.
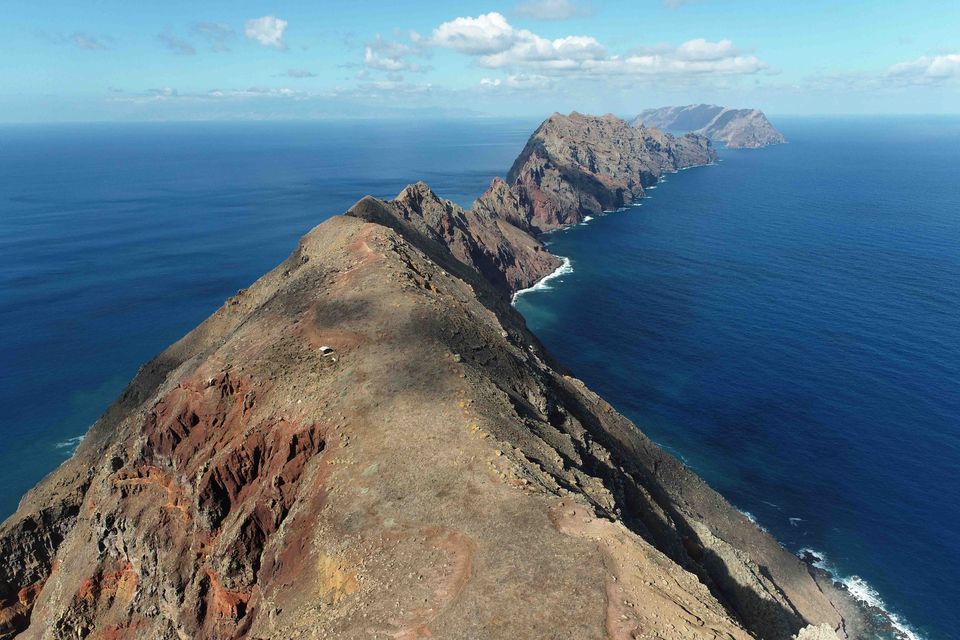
368, 441
737, 128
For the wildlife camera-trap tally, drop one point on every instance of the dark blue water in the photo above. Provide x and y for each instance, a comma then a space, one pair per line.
788, 322
117, 240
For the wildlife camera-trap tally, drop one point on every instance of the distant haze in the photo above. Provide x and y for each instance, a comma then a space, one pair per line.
232, 61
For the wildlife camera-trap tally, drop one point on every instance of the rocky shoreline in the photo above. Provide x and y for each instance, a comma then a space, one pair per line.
368, 442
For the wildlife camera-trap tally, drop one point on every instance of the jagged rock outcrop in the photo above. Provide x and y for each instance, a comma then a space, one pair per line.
505, 255
737, 128
578, 165
369, 443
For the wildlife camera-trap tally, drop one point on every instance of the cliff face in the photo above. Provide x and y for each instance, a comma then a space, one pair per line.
737, 128
577, 165
368, 442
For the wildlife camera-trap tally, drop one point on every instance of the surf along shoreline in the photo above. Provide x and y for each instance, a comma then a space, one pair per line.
858, 588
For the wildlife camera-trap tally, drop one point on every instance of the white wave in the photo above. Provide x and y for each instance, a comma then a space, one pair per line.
861, 590
651, 187
752, 518
70, 443
587, 218
795, 521
544, 283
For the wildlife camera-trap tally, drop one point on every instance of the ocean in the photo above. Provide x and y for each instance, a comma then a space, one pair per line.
785, 321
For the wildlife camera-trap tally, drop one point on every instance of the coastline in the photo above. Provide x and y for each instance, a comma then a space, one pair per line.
541, 284
350, 287
858, 588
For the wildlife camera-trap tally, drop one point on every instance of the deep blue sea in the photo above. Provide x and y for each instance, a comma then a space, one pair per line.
786, 321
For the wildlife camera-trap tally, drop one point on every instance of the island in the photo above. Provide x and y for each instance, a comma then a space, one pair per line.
736, 128
368, 442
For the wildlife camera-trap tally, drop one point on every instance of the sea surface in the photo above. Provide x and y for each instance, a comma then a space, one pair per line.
786, 322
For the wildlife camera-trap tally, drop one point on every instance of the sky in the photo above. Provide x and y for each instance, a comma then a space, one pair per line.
113, 60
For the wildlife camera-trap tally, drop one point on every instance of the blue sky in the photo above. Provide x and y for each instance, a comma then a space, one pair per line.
112, 60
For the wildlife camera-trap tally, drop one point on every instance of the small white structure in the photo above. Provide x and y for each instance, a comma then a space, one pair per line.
325, 350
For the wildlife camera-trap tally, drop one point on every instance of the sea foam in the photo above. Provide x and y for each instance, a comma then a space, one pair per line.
544, 283
70, 444
752, 518
861, 590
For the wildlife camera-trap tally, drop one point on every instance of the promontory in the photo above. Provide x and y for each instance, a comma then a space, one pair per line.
369, 443
736, 128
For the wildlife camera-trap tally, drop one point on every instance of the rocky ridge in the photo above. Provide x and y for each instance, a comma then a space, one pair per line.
737, 128
578, 165
369, 443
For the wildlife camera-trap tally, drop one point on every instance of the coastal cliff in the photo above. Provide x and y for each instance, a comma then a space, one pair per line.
369, 443
578, 165
737, 128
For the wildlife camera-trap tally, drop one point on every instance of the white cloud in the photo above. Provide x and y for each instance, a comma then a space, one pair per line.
483, 35
498, 44
700, 49
169, 94
676, 62
927, 69
495, 44
393, 57
548, 9
532, 50
255, 92
517, 81
383, 63
267, 30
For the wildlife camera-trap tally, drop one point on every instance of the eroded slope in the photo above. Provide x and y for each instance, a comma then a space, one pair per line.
435, 475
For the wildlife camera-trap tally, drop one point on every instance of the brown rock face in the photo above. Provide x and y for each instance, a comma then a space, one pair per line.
435, 474
506, 256
579, 165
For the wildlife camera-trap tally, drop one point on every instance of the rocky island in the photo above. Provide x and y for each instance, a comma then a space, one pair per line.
737, 128
369, 443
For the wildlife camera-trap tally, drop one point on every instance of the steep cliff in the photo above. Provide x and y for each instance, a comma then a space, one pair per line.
579, 165
737, 128
368, 442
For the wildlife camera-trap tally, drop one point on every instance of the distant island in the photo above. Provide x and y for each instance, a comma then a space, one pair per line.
737, 128
368, 442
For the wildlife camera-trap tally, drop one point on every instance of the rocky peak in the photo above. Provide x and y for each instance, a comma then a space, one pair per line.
501, 253
369, 443
415, 194
737, 128
577, 165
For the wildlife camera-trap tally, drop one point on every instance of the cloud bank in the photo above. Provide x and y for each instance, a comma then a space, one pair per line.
496, 44
928, 69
